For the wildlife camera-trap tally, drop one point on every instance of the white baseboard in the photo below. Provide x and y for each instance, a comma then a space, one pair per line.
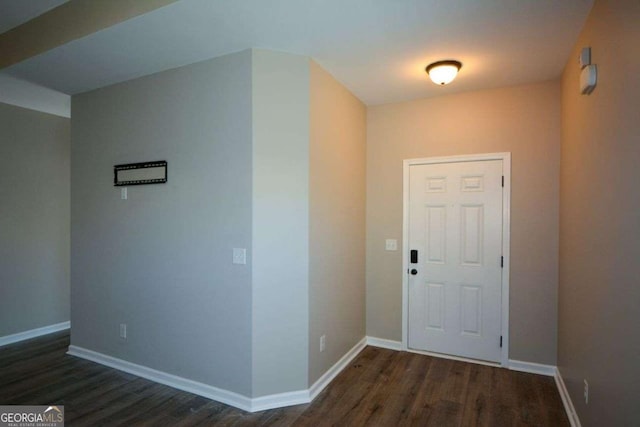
514, 365
218, 394
333, 372
384, 343
305, 396
397, 346
295, 397
457, 358
566, 400
33, 333
279, 400
532, 368
228, 397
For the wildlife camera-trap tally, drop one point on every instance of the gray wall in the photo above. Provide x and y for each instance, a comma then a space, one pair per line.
599, 297
34, 219
161, 260
280, 222
336, 221
524, 120
236, 133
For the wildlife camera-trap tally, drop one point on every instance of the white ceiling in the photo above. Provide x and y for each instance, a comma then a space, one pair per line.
377, 48
16, 12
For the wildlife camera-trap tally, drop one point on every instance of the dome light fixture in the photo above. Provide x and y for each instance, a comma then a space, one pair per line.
443, 72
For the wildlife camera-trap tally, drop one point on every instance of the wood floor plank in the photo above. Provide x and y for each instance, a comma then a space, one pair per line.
398, 405
378, 388
477, 397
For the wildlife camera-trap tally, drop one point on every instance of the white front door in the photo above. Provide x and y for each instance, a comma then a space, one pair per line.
455, 243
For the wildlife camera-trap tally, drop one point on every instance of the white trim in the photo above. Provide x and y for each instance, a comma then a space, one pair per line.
384, 343
333, 372
306, 396
458, 358
506, 253
33, 333
405, 256
397, 346
532, 368
566, 400
279, 400
218, 394
506, 239
228, 397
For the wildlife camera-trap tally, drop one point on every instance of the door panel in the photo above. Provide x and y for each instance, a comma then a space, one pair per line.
455, 224
471, 309
471, 228
435, 306
436, 237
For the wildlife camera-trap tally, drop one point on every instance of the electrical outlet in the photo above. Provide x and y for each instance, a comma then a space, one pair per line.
391, 245
123, 331
586, 392
239, 256
323, 342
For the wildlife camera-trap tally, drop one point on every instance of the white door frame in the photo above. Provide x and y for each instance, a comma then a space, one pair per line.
506, 237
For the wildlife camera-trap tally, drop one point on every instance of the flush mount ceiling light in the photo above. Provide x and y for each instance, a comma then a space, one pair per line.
443, 72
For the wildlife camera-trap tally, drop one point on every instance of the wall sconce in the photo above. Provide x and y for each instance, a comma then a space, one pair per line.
443, 72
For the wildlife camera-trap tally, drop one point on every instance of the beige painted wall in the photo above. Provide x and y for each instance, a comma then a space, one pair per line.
336, 220
524, 120
599, 295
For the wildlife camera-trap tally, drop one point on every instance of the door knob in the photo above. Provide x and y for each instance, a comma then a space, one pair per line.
414, 271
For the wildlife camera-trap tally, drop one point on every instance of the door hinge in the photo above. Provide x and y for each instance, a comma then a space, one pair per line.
502, 262
503, 180
500, 341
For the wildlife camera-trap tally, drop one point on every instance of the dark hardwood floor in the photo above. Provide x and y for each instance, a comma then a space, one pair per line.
379, 388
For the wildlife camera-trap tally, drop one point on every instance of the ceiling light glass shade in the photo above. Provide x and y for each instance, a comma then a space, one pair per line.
443, 72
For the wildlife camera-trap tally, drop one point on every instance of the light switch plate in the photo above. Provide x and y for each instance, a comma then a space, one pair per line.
239, 256
391, 245
588, 79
